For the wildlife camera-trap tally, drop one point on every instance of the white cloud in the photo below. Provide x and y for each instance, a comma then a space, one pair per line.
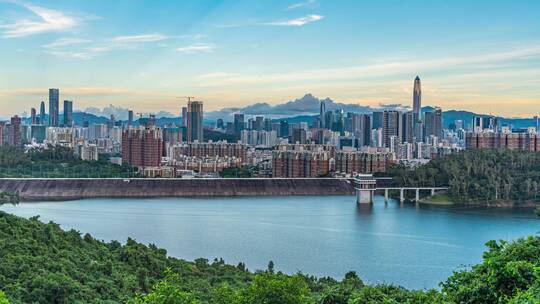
308, 3
381, 68
49, 21
197, 48
140, 38
298, 21
214, 75
62, 42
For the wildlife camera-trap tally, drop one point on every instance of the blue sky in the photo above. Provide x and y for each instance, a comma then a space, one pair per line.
477, 55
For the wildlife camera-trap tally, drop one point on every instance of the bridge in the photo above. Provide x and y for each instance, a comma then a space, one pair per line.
366, 185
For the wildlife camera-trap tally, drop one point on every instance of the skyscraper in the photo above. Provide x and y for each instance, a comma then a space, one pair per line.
33, 116
377, 121
417, 110
42, 113
54, 97
184, 116
433, 123
391, 127
195, 121
407, 126
68, 113
238, 124
130, 118
321, 115
15, 131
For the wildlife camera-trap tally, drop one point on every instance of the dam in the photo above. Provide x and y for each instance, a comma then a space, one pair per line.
61, 189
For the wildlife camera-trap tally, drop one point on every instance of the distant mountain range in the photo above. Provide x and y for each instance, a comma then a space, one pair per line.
304, 109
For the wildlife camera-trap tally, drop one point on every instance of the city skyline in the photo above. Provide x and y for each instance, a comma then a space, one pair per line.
232, 54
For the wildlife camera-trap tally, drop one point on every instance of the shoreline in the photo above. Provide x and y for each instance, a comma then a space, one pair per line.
69, 189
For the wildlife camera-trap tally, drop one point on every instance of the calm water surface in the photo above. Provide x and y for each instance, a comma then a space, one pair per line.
324, 236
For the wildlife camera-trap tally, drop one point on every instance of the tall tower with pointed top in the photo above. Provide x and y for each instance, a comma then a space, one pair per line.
417, 110
417, 96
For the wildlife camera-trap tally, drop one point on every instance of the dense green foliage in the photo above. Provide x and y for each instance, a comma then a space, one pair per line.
510, 273
239, 172
44, 264
56, 161
9, 198
41, 263
478, 175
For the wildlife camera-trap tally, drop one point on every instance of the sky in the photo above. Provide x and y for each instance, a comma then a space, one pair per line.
482, 56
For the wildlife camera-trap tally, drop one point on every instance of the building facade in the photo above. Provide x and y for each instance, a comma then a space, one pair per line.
195, 121
54, 97
142, 147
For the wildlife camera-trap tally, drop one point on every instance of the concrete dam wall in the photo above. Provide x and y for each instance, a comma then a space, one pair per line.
72, 189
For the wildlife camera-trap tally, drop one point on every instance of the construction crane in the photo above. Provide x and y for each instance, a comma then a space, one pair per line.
189, 98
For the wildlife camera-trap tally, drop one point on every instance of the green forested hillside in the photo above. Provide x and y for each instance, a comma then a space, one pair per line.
478, 175
56, 161
41, 263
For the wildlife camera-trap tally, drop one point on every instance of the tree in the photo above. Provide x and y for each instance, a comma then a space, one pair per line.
3, 299
509, 270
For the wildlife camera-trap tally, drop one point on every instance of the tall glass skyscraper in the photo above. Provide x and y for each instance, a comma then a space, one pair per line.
321, 115
68, 113
54, 97
42, 113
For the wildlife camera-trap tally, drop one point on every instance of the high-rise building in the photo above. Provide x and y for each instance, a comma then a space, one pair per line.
338, 122
283, 128
15, 131
33, 116
130, 118
258, 124
433, 123
391, 126
68, 113
377, 121
417, 109
321, 115
238, 124
536, 123
42, 113
142, 147
54, 97
38, 133
184, 116
299, 136
220, 124
268, 124
195, 121
360, 126
407, 126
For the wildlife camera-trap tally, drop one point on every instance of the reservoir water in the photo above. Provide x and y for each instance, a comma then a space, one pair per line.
324, 236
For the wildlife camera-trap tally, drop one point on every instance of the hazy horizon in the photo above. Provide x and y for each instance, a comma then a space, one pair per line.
477, 56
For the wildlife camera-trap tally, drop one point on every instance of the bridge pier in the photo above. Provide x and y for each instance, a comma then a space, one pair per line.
366, 185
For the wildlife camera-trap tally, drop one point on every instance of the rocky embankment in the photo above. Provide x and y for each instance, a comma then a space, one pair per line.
72, 189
